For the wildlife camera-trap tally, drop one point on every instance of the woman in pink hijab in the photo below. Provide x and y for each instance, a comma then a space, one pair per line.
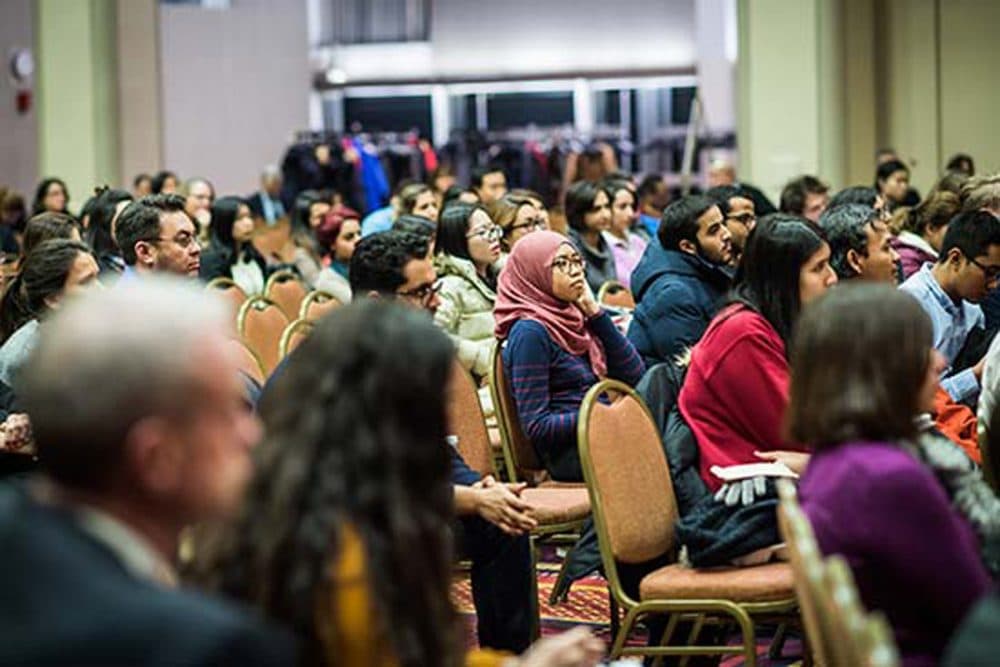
559, 343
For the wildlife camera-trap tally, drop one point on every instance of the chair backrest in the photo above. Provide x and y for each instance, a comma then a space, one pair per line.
293, 335
466, 420
631, 493
990, 460
519, 454
260, 324
807, 567
248, 360
859, 638
230, 291
613, 293
286, 289
317, 304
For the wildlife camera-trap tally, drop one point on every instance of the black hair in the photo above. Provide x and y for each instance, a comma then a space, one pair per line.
478, 173
972, 232
331, 466
415, 224
379, 259
649, 185
300, 211
680, 221
793, 195
41, 275
99, 233
140, 221
887, 169
721, 194
45, 226
139, 178
161, 177
767, 280
224, 213
962, 163
856, 194
451, 196
580, 198
38, 206
453, 230
845, 228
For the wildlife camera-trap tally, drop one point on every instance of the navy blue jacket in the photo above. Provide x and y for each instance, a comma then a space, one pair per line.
68, 600
676, 294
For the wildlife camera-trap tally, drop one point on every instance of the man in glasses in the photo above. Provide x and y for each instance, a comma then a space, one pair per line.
738, 211
681, 279
156, 235
950, 290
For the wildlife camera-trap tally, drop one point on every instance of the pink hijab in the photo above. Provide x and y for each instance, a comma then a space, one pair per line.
524, 292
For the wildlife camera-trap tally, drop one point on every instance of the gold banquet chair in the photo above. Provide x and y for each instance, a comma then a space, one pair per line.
632, 499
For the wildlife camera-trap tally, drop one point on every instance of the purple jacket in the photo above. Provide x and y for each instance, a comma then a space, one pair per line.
913, 251
913, 556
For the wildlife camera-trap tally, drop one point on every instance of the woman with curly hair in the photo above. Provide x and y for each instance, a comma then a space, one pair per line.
345, 534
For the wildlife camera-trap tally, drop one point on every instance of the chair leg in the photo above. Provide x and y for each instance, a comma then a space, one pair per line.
668, 634
778, 642
623, 633
616, 621
693, 636
536, 614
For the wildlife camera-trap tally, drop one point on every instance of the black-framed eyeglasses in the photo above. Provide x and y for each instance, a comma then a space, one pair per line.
991, 272
183, 240
748, 220
491, 233
424, 293
568, 264
536, 224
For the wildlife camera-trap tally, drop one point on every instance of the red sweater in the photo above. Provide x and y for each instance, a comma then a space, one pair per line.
736, 390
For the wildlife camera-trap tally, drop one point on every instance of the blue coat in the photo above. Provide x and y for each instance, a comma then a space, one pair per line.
676, 294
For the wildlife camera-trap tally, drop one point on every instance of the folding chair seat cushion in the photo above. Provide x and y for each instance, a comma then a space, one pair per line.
558, 505
771, 582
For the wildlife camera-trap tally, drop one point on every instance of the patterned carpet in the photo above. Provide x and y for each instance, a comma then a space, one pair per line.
588, 605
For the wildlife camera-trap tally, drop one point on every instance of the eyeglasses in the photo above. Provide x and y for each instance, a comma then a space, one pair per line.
991, 272
568, 264
423, 294
183, 240
536, 224
748, 220
491, 233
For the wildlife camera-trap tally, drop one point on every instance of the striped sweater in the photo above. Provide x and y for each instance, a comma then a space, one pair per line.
549, 385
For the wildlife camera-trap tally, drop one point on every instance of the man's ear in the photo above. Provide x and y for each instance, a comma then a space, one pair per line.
151, 457
145, 253
854, 260
955, 257
687, 246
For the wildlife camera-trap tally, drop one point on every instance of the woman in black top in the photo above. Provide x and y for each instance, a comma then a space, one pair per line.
230, 254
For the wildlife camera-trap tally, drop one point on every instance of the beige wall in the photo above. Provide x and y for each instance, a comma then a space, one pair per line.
18, 133
824, 83
236, 87
970, 96
139, 103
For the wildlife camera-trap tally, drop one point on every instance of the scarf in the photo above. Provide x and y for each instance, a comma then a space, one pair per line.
524, 292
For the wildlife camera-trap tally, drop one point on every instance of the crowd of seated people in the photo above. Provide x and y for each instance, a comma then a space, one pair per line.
845, 340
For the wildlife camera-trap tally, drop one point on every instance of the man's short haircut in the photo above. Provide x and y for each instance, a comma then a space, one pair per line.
140, 221
478, 173
981, 192
649, 185
856, 194
846, 230
107, 360
961, 162
972, 232
793, 196
722, 195
680, 220
379, 260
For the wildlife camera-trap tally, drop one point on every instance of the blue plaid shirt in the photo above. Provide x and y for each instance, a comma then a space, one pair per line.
952, 324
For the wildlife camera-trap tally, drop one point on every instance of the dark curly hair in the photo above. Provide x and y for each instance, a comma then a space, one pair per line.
355, 439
